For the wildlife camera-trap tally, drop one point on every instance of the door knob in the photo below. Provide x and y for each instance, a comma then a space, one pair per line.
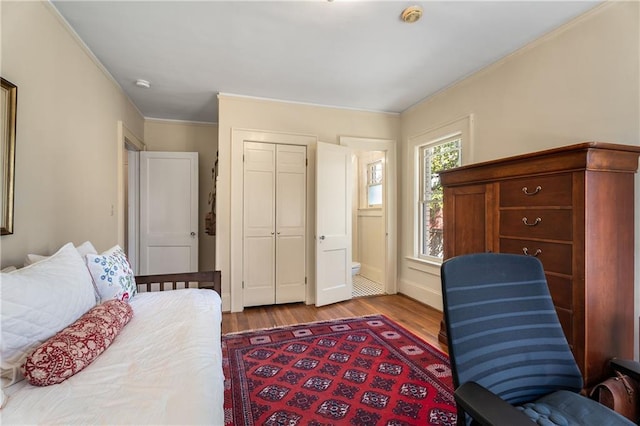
193, 234
322, 237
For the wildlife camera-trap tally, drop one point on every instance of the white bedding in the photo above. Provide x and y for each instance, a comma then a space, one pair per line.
165, 367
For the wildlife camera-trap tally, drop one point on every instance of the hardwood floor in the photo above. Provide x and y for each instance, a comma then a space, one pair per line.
420, 319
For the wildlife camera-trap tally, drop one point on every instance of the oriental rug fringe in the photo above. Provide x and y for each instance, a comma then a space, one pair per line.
354, 371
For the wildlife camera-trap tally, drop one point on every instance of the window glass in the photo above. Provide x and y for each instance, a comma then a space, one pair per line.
374, 183
434, 158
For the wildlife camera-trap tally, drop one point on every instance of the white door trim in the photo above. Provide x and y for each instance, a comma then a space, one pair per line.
391, 213
125, 137
238, 136
132, 204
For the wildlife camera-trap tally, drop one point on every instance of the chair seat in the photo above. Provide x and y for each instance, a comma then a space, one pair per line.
564, 408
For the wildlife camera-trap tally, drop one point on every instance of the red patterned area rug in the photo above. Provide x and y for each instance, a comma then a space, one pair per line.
355, 371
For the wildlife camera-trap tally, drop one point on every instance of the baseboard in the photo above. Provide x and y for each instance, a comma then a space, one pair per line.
374, 274
420, 293
226, 302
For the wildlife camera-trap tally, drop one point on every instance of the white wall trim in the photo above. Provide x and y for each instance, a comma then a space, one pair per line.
238, 136
174, 121
261, 99
421, 293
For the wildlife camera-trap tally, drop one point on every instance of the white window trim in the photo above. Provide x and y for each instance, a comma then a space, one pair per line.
462, 127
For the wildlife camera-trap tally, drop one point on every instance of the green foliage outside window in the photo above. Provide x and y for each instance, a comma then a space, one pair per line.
435, 158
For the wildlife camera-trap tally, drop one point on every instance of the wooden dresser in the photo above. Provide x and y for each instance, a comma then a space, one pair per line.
573, 208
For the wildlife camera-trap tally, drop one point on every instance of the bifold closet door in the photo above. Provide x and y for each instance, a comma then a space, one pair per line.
274, 223
291, 183
258, 278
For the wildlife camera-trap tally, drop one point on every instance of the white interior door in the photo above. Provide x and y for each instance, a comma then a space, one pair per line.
333, 223
291, 184
168, 212
258, 275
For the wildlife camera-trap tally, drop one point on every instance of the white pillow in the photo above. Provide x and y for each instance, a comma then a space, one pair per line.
86, 248
9, 269
39, 300
112, 275
83, 249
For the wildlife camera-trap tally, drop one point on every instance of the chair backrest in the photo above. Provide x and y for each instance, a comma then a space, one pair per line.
502, 327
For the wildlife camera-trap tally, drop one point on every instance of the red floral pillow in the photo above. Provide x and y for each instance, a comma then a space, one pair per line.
75, 347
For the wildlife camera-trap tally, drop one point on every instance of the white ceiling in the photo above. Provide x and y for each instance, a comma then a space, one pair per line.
353, 54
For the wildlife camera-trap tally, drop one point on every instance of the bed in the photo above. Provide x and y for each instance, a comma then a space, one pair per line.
164, 366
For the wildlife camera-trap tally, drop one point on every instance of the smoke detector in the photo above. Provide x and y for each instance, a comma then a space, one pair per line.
143, 83
411, 14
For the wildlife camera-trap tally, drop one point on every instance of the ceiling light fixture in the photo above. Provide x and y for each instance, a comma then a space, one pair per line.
411, 14
143, 83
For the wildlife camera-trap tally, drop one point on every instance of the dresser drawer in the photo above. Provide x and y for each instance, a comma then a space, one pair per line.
555, 257
537, 223
561, 291
552, 190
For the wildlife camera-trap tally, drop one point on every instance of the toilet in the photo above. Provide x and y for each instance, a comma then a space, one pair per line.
355, 268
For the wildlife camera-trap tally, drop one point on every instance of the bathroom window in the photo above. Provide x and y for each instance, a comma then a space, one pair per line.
433, 158
374, 184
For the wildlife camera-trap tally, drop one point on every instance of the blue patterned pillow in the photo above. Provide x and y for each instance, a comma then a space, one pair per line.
112, 275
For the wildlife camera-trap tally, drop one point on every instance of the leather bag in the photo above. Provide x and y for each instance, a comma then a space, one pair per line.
619, 393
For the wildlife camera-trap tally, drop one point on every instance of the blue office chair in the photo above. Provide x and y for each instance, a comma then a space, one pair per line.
510, 360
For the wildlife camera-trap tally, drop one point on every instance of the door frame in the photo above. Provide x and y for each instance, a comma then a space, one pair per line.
238, 137
391, 202
126, 141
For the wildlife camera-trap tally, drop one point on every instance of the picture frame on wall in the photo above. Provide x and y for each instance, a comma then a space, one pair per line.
8, 109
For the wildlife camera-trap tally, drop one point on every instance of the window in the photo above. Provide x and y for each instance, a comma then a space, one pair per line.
431, 151
374, 183
434, 157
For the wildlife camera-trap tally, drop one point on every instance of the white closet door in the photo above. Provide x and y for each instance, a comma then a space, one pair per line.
291, 183
259, 224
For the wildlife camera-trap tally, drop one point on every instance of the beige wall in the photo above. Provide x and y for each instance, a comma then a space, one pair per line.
190, 137
580, 83
67, 139
328, 124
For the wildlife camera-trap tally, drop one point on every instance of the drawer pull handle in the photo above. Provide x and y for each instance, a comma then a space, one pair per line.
526, 221
526, 190
526, 252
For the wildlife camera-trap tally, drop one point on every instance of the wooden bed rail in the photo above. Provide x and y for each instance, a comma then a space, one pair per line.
206, 279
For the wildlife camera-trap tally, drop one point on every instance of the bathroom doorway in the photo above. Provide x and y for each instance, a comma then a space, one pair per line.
388, 262
368, 223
